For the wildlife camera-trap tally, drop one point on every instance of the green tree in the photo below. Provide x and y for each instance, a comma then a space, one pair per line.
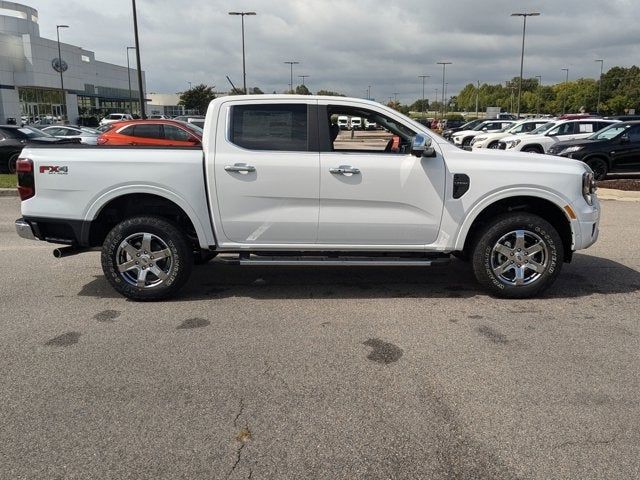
197, 98
302, 90
418, 105
329, 93
256, 91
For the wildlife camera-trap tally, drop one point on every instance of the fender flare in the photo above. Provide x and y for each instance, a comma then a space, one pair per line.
205, 235
493, 197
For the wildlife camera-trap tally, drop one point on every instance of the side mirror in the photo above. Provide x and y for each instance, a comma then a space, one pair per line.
421, 146
624, 139
485, 129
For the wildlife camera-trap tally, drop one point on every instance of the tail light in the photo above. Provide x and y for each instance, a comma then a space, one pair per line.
26, 180
102, 140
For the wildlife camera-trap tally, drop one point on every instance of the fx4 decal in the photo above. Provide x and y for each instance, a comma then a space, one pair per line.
54, 169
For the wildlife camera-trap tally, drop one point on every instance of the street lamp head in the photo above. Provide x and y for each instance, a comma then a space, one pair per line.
524, 14
242, 13
62, 26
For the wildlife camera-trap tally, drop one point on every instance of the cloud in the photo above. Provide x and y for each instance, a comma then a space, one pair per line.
348, 45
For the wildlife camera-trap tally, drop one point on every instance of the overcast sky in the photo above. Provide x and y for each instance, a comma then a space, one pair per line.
346, 45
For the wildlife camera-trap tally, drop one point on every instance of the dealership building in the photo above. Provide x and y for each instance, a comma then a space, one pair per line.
30, 84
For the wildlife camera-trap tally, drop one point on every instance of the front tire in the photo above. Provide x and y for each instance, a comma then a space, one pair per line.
518, 255
147, 258
599, 167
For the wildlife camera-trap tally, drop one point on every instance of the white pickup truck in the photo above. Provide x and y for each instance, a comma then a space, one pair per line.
270, 187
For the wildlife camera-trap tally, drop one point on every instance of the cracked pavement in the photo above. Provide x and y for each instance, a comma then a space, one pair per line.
289, 373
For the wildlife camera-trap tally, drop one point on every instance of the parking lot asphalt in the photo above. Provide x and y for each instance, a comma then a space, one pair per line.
289, 373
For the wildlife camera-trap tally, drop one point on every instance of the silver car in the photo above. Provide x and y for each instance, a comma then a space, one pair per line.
88, 136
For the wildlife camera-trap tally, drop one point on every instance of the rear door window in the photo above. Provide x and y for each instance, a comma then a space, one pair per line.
147, 131
281, 127
171, 132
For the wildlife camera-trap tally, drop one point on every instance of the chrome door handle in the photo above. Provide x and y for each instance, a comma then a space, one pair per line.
240, 167
344, 169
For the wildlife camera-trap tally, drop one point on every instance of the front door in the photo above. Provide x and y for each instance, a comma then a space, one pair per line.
267, 172
625, 153
372, 190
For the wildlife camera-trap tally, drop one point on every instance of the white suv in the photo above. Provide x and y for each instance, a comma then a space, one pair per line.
560, 131
464, 137
491, 140
115, 117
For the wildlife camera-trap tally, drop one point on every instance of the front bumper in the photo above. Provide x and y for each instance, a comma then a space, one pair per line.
24, 230
587, 227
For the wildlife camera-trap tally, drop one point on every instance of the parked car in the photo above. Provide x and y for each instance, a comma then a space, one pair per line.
448, 132
343, 122
370, 125
463, 138
560, 130
269, 190
614, 149
356, 123
159, 117
115, 117
491, 140
86, 135
168, 133
14, 138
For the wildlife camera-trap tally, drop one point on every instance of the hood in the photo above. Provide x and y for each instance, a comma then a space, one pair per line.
467, 132
571, 143
505, 160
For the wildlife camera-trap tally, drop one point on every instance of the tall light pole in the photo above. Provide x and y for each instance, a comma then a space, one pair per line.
395, 97
129, 77
303, 77
446, 85
423, 77
368, 92
477, 98
600, 84
143, 113
291, 64
539, 77
64, 99
444, 66
244, 71
524, 29
566, 81
436, 98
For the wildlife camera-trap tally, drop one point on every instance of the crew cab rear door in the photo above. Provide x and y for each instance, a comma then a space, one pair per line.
267, 172
372, 190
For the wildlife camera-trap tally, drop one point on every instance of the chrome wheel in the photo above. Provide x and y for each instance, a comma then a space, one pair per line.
494, 146
144, 260
520, 258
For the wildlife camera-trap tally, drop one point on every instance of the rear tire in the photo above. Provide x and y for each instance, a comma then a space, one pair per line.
493, 145
599, 167
147, 258
11, 164
518, 255
466, 142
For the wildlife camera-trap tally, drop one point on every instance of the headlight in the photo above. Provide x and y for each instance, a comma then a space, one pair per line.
588, 187
513, 143
571, 149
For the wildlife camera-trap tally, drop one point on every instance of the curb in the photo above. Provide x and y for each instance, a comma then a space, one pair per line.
8, 192
621, 195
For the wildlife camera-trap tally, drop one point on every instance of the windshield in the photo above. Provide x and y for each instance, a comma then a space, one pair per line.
90, 131
470, 125
609, 132
30, 132
480, 126
542, 128
114, 117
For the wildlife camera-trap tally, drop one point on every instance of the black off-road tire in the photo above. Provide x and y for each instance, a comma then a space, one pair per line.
176, 241
501, 226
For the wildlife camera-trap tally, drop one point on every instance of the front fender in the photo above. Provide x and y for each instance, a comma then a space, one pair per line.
556, 198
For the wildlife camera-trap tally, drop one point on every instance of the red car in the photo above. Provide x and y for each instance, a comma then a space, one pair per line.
159, 133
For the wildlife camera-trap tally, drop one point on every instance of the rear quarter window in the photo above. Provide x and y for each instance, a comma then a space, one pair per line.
270, 127
147, 131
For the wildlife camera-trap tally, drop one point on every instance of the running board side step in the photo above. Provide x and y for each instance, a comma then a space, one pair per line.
283, 260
